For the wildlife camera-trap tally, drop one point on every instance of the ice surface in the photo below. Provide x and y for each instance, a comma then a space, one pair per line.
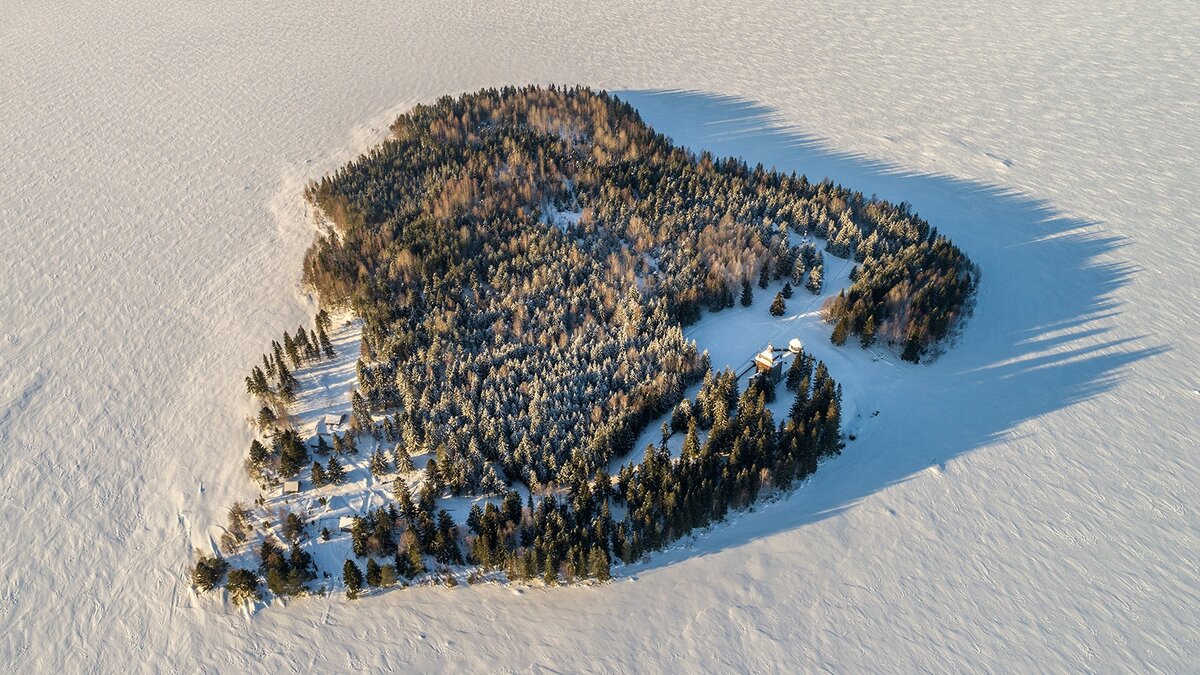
1027, 503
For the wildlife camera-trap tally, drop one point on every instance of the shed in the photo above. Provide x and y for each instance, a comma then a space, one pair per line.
291, 487
346, 523
334, 422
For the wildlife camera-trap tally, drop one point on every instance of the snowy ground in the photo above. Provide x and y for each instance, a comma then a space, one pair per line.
1027, 503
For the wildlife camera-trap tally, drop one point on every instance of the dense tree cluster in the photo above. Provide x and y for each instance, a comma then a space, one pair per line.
524, 261
500, 338
208, 571
276, 388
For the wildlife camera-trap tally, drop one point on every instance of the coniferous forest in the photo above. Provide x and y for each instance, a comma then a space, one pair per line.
524, 261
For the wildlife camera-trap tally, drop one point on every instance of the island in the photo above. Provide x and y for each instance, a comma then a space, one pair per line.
506, 285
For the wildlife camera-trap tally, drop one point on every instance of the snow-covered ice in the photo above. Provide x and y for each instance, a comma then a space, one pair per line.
1026, 503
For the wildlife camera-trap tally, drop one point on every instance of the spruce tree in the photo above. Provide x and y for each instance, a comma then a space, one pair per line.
747, 294
691, 442
799, 270
868, 333
404, 462
379, 463
815, 279
360, 414
403, 498
358, 537
778, 307
266, 418
243, 586
258, 453
374, 573
840, 332
598, 565
353, 578
289, 347
323, 341
208, 571
787, 289
318, 475
912, 349
334, 473
764, 275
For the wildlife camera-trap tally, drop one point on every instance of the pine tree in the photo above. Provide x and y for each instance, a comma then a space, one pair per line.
353, 577
334, 473
691, 442
403, 498
266, 418
243, 586
598, 565
302, 342
360, 414
358, 537
815, 279
293, 453
258, 453
840, 332
323, 341
404, 462
778, 307
799, 270
379, 463
289, 347
747, 294
293, 528
912, 349
868, 333
208, 571
432, 476
374, 573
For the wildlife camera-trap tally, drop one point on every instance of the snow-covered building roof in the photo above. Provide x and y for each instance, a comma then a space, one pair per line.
766, 358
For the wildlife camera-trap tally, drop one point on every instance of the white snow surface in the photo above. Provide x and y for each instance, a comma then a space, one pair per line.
1026, 503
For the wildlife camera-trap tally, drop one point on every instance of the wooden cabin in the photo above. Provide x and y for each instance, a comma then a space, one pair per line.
768, 365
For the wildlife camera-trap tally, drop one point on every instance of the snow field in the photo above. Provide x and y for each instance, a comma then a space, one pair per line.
1026, 503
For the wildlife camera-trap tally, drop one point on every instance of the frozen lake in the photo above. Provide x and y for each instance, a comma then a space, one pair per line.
1027, 503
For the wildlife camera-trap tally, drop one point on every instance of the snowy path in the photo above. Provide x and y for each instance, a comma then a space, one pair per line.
1025, 504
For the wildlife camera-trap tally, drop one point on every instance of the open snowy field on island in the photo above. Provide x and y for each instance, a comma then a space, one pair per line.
1025, 503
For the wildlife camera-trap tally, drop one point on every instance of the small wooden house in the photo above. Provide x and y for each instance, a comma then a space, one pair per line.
291, 487
346, 523
334, 422
768, 366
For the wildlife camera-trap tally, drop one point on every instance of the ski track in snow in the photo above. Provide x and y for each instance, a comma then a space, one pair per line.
1026, 503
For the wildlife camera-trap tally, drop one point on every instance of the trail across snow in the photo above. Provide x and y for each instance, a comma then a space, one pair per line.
1026, 503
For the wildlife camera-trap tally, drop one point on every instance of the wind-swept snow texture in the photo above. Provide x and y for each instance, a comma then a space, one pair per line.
1026, 503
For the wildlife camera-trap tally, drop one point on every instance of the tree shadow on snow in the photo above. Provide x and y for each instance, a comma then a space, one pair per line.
1040, 340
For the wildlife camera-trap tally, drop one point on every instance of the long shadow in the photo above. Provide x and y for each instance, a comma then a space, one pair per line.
1040, 339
